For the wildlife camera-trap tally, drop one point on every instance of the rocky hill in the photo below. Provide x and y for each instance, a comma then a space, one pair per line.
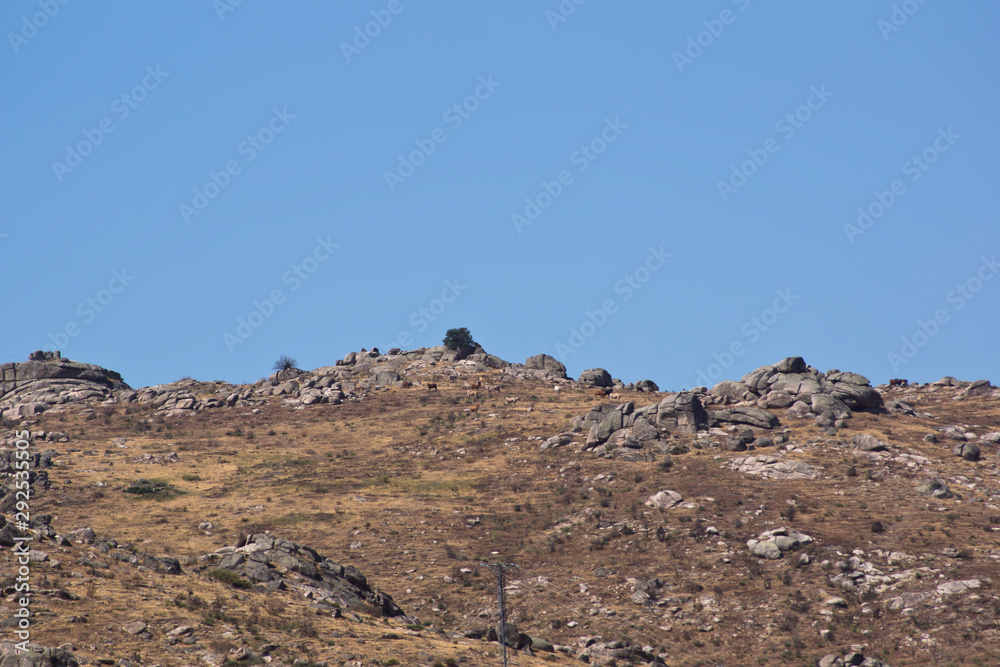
357, 514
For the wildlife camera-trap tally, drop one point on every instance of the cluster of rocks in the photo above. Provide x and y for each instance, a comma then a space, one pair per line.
772, 544
188, 396
791, 383
598, 377
31, 387
963, 388
597, 651
39, 460
35, 437
626, 431
36, 656
281, 564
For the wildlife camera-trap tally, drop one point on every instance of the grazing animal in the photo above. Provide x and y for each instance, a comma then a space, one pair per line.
474, 408
601, 393
407, 384
495, 388
615, 397
432, 386
473, 393
466, 385
478, 385
557, 389
898, 383
511, 400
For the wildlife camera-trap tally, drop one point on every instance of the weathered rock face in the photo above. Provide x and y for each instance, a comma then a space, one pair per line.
682, 413
281, 564
743, 415
774, 467
550, 366
31, 387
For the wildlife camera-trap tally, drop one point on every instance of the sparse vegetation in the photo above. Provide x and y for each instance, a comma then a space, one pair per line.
285, 363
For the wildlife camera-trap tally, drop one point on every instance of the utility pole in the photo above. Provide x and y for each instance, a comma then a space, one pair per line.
499, 570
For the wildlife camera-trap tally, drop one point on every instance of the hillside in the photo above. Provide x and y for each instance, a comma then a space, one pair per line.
345, 516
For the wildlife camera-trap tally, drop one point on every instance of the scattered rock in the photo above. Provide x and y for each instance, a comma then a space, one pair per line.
868, 443
967, 450
664, 500
934, 487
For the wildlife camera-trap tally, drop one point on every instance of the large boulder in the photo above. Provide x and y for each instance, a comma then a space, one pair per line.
821, 403
968, 451
681, 413
744, 415
979, 388
647, 386
757, 380
791, 365
800, 385
729, 391
595, 377
550, 365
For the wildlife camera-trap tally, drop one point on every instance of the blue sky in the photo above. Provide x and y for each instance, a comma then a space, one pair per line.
666, 190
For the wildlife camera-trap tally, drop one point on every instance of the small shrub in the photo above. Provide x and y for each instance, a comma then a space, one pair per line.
285, 363
231, 579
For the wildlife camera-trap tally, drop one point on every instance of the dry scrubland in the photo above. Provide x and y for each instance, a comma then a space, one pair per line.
415, 491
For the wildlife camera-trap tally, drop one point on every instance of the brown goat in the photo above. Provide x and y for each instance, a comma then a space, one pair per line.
432, 386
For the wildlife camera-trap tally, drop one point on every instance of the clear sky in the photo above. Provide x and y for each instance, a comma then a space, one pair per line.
197, 187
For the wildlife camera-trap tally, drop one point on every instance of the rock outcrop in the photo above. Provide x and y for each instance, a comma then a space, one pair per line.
791, 383
30, 387
281, 564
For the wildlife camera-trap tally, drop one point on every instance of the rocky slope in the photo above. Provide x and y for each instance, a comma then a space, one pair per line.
792, 517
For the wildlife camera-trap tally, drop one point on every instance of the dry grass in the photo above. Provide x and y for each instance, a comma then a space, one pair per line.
405, 474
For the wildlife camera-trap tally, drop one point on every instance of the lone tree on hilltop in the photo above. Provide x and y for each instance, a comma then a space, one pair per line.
285, 363
461, 341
